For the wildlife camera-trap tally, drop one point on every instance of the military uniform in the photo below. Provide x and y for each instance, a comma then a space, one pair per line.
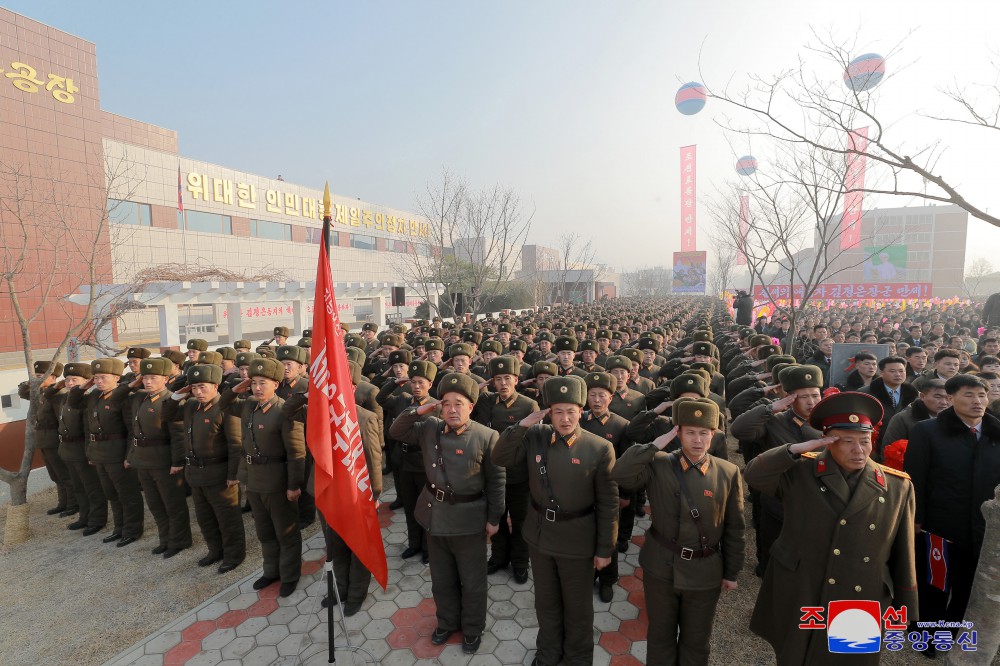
685, 558
287, 387
46, 425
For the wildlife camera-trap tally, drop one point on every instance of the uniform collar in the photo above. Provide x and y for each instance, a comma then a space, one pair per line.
569, 441
264, 406
702, 467
204, 407
603, 418
418, 401
458, 432
509, 403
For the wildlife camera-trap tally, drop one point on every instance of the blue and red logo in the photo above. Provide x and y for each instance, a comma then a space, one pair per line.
855, 627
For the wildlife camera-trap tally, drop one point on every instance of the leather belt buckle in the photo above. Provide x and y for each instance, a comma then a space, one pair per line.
405, 447
695, 513
439, 495
687, 553
249, 459
550, 515
93, 438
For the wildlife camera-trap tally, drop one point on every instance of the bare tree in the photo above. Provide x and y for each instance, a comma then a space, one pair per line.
576, 256
979, 269
648, 281
54, 242
723, 270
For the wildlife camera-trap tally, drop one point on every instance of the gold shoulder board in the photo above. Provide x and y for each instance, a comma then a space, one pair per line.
810, 454
895, 472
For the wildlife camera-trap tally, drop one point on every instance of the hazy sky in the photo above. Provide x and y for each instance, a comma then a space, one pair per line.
568, 101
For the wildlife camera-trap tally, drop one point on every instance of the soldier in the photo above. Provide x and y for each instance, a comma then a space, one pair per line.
434, 348
281, 334
460, 505
107, 442
566, 347
242, 346
228, 355
459, 361
848, 530
637, 382
295, 361
543, 350
603, 347
368, 333
695, 547
86, 486
499, 411
573, 527
47, 437
158, 458
601, 386
625, 402
275, 450
490, 350
134, 356
541, 371
210, 442
647, 366
650, 424
588, 357
195, 346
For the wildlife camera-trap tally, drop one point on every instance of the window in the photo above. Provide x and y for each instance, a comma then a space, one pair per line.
398, 246
209, 223
362, 242
314, 235
272, 230
423, 249
129, 212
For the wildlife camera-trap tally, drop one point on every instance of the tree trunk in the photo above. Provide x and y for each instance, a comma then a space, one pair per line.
984, 603
16, 529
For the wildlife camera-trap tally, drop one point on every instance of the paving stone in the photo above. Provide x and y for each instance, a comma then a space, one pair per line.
283, 615
213, 611
484, 660
310, 606
528, 637
398, 658
377, 648
412, 567
205, 658
503, 610
379, 628
506, 630
272, 635
390, 592
411, 583
382, 609
396, 538
606, 622
218, 639
523, 599
252, 627
639, 650
601, 657
303, 624
292, 644
295, 597
500, 593
453, 656
409, 599
238, 648
182, 623
163, 642
510, 652
623, 610
243, 601
262, 656
149, 660
526, 617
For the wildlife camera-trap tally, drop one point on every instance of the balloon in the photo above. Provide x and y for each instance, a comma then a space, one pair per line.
865, 72
690, 98
746, 165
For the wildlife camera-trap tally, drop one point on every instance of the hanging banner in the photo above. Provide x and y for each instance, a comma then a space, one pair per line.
689, 272
854, 183
741, 257
848, 292
689, 198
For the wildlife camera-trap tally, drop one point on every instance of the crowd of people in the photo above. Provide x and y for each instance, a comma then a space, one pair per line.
533, 441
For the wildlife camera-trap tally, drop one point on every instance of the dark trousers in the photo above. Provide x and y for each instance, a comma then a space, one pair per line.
609, 574
276, 521
167, 502
458, 581
564, 604
949, 606
89, 495
59, 473
307, 502
411, 483
626, 517
217, 509
770, 530
508, 544
689, 612
121, 487
353, 578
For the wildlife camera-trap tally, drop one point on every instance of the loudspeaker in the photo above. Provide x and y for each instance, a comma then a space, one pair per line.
398, 297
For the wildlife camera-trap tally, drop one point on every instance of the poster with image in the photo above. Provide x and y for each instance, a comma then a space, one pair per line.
689, 272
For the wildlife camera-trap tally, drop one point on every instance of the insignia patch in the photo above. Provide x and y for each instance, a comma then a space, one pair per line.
207, 421
697, 413
821, 465
808, 376
563, 389
538, 459
459, 452
879, 477
608, 435
151, 410
853, 418
107, 406
260, 426
708, 493
575, 461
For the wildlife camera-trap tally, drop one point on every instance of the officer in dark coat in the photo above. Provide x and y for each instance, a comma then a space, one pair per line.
573, 526
847, 533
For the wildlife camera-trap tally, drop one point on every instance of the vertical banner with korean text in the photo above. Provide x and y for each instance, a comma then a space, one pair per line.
741, 257
854, 183
689, 198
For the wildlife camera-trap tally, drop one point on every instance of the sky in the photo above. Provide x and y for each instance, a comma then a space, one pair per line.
569, 102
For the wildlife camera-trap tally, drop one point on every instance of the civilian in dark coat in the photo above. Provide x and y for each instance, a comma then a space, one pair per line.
743, 304
893, 392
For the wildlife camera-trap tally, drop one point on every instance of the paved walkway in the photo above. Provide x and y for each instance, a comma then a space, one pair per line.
244, 626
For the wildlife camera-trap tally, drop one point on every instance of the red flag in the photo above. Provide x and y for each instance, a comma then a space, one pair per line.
937, 561
343, 489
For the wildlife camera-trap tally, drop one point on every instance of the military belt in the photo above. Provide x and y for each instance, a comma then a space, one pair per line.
451, 497
71, 440
109, 437
157, 441
557, 516
264, 460
195, 461
409, 448
685, 553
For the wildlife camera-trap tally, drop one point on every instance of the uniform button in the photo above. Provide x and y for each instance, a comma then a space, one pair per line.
868, 559
433, 464
836, 551
433, 486
857, 588
822, 489
881, 500
428, 506
832, 581
872, 526
843, 522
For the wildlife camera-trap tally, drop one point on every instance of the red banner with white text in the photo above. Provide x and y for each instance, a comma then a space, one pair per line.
854, 183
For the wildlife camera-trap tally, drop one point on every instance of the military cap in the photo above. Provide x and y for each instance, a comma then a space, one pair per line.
369, 326
569, 389
567, 333
42, 367
435, 332
696, 412
261, 349
392, 340
847, 411
604, 333
775, 359
566, 343
419, 340
308, 333
424, 369
673, 369
355, 340
355, 372
702, 336
204, 374
778, 367
210, 358
648, 343
631, 353
281, 330
243, 359
472, 336
618, 361
356, 355
703, 349
305, 343
243, 344
604, 380
518, 345
503, 328
527, 330
487, 330
455, 382
399, 329
267, 367
137, 352
617, 335
78, 370
546, 335
176, 356
266, 352
588, 345
505, 365
493, 346
545, 324
767, 351
292, 353
156, 366
107, 366
460, 349
228, 353
801, 376
400, 356
703, 365
544, 368
197, 344
758, 340
433, 343
688, 383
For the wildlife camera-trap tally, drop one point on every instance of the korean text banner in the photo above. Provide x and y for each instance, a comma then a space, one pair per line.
854, 183
689, 198
857, 291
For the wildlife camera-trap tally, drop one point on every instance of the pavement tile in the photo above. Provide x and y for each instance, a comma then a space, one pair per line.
503, 609
243, 601
410, 583
407, 617
303, 624
526, 617
634, 630
198, 630
382, 609
205, 658
453, 656
484, 660
231, 619
149, 660
283, 615
263, 608
510, 652
292, 645
528, 637
265, 655
523, 599
606, 622
615, 643
601, 657
238, 648
403, 637
639, 651
398, 658
252, 626
218, 639
380, 628
623, 610
213, 610
626, 660
506, 630
272, 635
163, 642
180, 653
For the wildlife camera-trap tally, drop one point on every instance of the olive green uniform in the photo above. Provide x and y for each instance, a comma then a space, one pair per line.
627, 402
681, 581
92, 503
152, 452
47, 443
464, 491
307, 502
507, 545
564, 535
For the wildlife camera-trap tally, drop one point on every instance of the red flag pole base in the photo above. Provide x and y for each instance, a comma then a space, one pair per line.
333, 593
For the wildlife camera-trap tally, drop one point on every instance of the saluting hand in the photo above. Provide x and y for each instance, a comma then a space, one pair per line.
771, 388
533, 418
175, 470
812, 444
242, 386
663, 406
428, 407
484, 384
763, 375
687, 359
60, 385
782, 404
402, 380
135, 383
662, 441
529, 382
